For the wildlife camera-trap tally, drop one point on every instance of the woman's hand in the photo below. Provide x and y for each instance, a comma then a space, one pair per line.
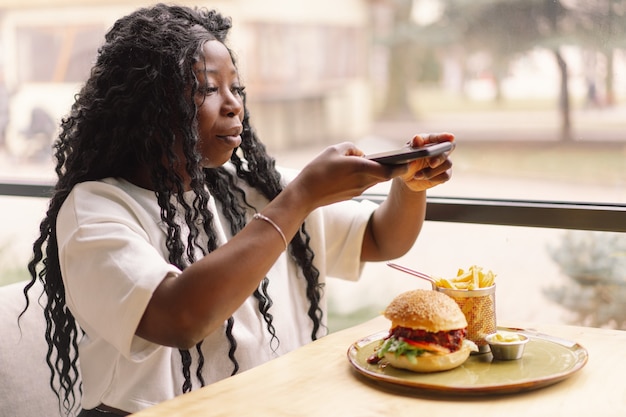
426, 173
340, 173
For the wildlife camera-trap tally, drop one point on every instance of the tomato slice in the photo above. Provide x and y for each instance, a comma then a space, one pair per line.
431, 347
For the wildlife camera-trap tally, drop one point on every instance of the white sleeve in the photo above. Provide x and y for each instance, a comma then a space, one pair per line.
109, 263
344, 228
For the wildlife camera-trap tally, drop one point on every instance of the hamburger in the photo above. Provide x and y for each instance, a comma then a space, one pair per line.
427, 333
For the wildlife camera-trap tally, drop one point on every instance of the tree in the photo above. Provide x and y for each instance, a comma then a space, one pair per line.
508, 28
595, 265
391, 29
406, 42
505, 29
400, 63
552, 13
601, 27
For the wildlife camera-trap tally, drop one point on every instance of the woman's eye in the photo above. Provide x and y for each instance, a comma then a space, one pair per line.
209, 90
239, 90
206, 90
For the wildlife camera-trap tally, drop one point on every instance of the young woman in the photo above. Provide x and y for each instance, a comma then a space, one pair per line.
174, 253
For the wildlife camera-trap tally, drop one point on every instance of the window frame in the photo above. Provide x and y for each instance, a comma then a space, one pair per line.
605, 217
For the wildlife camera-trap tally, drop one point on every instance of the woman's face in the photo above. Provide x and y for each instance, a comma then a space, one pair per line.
220, 105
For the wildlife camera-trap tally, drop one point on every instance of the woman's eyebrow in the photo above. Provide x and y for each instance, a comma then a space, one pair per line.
214, 71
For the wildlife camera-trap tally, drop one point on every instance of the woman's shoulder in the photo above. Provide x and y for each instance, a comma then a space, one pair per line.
109, 187
110, 195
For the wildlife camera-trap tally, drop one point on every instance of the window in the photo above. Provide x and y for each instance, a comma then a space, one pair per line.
56, 54
533, 90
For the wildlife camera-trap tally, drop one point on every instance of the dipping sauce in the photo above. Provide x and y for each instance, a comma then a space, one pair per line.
506, 337
506, 346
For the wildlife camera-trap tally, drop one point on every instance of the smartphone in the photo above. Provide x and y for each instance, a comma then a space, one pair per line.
405, 155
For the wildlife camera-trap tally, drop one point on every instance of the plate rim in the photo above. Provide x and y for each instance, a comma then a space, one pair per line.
579, 352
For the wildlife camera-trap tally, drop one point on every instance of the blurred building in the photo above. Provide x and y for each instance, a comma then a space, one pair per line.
305, 64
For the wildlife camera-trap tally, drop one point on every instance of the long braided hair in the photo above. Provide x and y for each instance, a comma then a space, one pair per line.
128, 114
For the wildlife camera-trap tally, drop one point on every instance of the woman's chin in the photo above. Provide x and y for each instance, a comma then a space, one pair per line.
215, 162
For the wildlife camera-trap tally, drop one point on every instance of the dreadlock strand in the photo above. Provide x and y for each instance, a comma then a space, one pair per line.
200, 364
233, 344
265, 303
185, 357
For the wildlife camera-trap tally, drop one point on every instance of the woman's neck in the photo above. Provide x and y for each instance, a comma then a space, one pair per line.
141, 178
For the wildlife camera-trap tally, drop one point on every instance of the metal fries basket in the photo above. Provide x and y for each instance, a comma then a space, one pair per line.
479, 308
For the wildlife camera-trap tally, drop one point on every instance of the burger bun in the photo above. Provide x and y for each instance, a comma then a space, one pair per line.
428, 310
432, 363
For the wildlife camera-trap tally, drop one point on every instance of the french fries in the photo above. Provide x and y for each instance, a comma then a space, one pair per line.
479, 310
471, 279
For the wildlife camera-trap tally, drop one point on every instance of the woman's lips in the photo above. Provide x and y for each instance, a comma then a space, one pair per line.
232, 140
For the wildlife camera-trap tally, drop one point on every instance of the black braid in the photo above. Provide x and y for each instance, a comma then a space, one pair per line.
185, 357
128, 114
200, 364
233, 345
265, 303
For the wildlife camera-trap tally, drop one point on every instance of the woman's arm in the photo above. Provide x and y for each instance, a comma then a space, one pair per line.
395, 225
185, 309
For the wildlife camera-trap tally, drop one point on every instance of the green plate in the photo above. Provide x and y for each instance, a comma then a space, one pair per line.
546, 360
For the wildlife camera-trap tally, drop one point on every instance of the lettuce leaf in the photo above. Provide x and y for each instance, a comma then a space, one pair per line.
398, 347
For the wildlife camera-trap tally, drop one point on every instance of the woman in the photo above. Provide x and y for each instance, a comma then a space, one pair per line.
174, 253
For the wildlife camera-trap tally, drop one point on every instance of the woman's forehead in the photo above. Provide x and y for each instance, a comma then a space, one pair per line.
214, 58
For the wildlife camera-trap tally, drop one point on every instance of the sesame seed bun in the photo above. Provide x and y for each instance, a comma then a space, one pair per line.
428, 310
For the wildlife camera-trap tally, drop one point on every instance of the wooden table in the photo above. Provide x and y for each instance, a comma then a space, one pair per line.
318, 380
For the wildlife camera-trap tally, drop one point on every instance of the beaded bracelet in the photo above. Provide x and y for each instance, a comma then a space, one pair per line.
260, 216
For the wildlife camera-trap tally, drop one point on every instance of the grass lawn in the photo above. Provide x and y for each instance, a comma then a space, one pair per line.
582, 163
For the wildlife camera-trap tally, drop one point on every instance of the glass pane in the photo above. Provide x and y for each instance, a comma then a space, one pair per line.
19, 222
542, 275
533, 91
46, 54
68, 52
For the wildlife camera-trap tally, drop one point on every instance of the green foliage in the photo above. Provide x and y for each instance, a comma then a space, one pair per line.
9, 271
339, 321
11, 275
595, 263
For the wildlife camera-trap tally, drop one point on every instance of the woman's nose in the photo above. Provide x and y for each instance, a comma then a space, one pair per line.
233, 105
